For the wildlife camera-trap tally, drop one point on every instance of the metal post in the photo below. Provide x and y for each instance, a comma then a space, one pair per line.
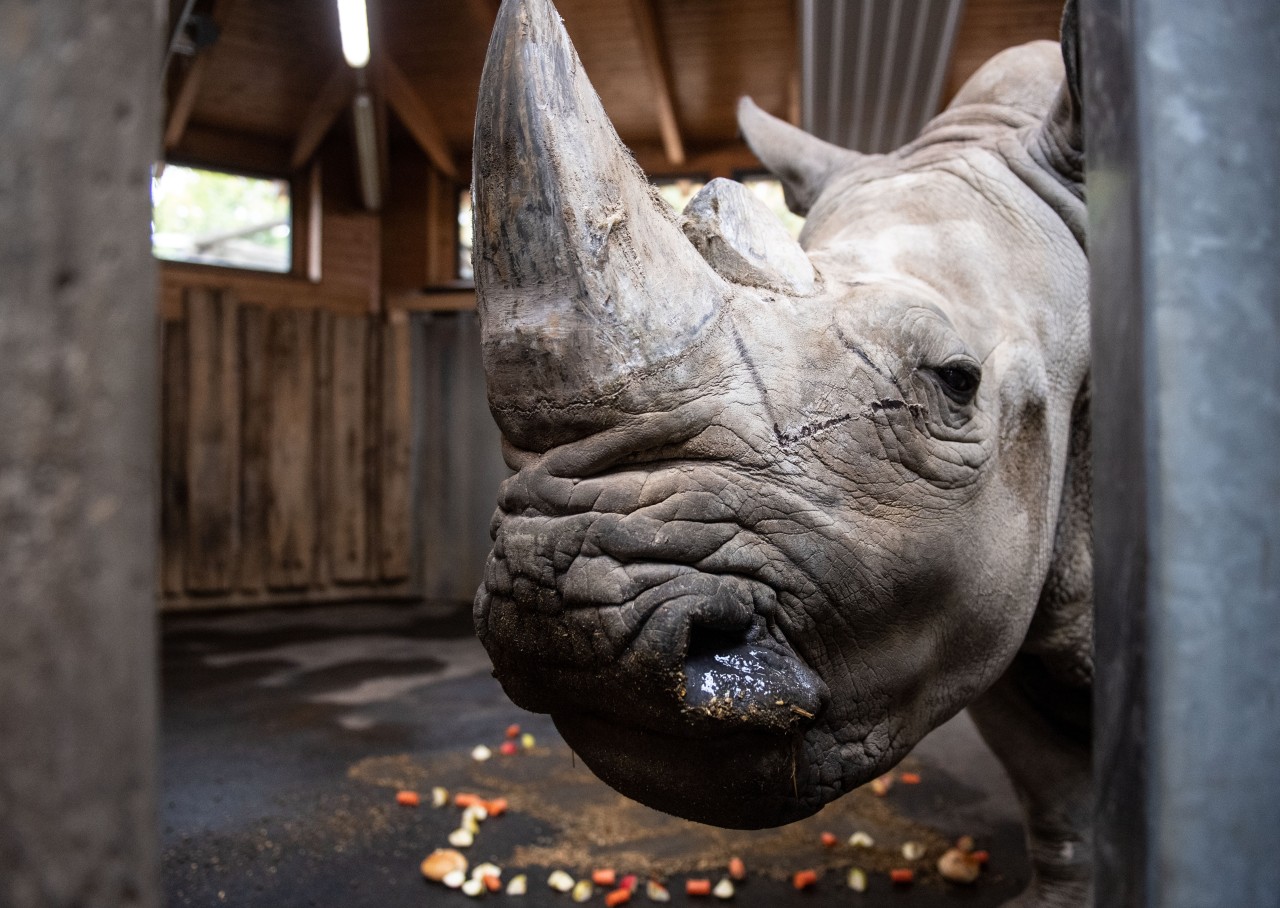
78, 128
1183, 137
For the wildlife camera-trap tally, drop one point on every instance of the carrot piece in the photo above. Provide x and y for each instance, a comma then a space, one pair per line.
737, 869
829, 839
980, 857
909, 778
408, 798
617, 897
902, 875
513, 731
467, 799
495, 808
508, 748
805, 879
697, 887
604, 876
492, 882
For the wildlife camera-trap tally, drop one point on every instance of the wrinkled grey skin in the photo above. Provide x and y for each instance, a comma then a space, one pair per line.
770, 528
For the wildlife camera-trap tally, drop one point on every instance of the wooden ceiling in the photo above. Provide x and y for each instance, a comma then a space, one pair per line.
669, 71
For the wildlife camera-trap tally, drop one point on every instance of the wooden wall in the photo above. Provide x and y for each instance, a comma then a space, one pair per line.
285, 453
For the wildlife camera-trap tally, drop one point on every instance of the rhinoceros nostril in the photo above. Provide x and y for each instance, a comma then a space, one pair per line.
748, 676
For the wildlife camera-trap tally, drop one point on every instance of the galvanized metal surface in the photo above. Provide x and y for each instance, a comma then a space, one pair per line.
1183, 132
78, 128
873, 70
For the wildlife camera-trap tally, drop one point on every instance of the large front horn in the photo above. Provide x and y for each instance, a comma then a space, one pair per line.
582, 275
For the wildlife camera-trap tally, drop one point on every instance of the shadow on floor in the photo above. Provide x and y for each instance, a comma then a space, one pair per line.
287, 733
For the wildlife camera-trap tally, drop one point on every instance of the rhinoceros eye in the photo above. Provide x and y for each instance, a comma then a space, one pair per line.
959, 381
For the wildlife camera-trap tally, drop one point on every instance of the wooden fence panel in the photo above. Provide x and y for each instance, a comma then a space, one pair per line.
213, 443
173, 458
349, 487
291, 508
395, 532
255, 449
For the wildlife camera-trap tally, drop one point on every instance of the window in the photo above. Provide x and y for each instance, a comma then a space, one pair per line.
465, 270
215, 218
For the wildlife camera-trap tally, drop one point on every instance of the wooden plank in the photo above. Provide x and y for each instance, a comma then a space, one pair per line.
417, 118
659, 66
173, 457
291, 460
395, 483
329, 103
213, 443
347, 494
322, 416
460, 300
255, 431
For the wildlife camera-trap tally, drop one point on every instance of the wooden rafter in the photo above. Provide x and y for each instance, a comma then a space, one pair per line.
184, 99
417, 118
655, 55
331, 101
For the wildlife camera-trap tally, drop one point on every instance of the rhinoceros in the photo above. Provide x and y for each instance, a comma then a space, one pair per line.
781, 508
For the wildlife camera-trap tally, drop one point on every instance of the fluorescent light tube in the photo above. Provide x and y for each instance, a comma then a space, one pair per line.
353, 20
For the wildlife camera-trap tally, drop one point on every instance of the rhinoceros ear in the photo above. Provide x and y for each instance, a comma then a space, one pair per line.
1061, 135
744, 241
803, 163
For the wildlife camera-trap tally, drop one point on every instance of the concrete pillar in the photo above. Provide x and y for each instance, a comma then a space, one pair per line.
78, 127
1183, 133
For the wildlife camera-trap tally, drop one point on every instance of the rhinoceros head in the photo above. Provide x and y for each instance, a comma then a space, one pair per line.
780, 509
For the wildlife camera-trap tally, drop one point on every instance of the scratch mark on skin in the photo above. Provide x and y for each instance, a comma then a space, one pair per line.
755, 375
792, 436
853, 347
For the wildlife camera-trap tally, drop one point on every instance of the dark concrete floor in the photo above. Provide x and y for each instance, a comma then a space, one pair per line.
287, 733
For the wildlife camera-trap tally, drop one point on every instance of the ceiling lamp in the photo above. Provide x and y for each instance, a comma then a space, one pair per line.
353, 20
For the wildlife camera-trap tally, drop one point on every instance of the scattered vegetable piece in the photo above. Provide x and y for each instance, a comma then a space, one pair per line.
981, 856
697, 887
880, 787
604, 876
912, 851
617, 897
857, 879
965, 843
958, 866
829, 839
527, 741
902, 875
519, 885
466, 799
804, 879
462, 838
454, 879
508, 748
560, 881
479, 811
480, 753
737, 869
442, 862
630, 881
470, 823
583, 890
492, 883
861, 840
473, 887
513, 731
480, 871
909, 778
723, 889
656, 892
496, 808
408, 798
439, 796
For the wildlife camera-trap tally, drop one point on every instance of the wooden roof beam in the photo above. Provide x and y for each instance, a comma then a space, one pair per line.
184, 100
325, 109
656, 59
417, 118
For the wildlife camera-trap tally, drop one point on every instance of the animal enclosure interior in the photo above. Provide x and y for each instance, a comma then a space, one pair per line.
330, 466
